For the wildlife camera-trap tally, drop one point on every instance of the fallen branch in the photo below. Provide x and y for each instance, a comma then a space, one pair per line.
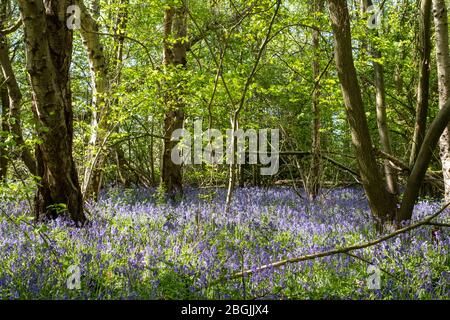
345, 250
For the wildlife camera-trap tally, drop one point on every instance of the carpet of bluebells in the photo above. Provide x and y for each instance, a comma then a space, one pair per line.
137, 246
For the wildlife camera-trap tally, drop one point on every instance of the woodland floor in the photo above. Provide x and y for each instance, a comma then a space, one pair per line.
138, 247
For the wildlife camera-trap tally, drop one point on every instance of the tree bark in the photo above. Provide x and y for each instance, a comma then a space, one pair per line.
382, 203
48, 44
423, 90
443, 68
175, 33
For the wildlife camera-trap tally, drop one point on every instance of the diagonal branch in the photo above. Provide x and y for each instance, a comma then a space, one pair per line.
11, 29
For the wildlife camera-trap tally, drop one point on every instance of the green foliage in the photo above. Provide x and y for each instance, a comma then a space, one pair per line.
160, 194
226, 38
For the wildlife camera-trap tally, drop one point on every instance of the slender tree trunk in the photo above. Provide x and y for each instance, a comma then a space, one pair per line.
13, 106
4, 101
152, 156
443, 68
121, 166
48, 44
391, 179
398, 73
423, 90
315, 170
120, 31
102, 83
232, 167
175, 32
381, 202
398, 77
4, 128
100, 87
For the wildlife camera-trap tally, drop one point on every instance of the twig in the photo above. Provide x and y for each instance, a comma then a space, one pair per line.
369, 262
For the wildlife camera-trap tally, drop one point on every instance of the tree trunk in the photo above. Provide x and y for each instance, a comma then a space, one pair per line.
443, 68
391, 179
120, 30
232, 167
151, 155
121, 167
48, 44
12, 118
423, 90
381, 202
100, 86
4, 101
439, 129
101, 83
419, 170
315, 170
175, 32
4, 129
